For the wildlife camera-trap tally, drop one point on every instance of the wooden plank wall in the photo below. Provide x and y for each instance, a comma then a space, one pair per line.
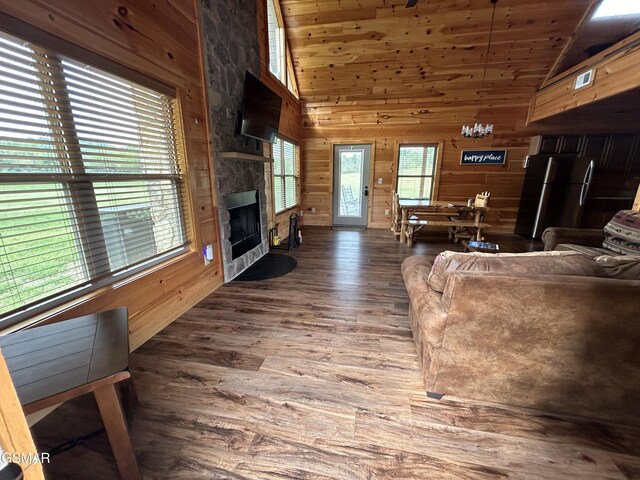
161, 40
325, 125
378, 72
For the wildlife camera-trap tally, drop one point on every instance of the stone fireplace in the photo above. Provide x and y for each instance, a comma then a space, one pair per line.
243, 215
230, 39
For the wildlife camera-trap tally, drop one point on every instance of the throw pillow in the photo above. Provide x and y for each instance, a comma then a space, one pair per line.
622, 233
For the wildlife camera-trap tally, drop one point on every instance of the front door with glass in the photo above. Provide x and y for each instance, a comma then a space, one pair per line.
351, 184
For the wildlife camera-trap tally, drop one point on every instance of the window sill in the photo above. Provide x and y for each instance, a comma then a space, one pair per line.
58, 309
287, 210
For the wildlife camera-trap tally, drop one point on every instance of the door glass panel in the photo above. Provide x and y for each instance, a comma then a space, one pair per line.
351, 163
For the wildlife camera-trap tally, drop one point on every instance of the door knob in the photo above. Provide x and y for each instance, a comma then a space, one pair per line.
366, 191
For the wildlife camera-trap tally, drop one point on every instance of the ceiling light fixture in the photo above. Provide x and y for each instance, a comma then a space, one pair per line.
478, 130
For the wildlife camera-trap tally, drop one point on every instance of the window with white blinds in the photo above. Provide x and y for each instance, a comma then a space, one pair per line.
280, 62
276, 43
416, 171
90, 183
285, 175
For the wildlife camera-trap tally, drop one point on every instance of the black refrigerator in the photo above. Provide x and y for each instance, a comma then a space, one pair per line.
554, 192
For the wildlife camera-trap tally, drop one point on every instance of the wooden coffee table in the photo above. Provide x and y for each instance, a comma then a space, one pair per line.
482, 247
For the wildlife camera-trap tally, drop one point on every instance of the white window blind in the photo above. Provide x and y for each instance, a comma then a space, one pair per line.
285, 175
416, 170
90, 183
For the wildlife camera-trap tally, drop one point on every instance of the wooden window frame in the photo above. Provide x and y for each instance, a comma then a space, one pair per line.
280, 38
435, 176
288, 78
56, 51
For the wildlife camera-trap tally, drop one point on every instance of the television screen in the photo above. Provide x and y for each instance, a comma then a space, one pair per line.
260, 110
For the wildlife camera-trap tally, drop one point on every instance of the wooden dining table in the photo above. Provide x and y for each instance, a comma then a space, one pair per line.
410, 207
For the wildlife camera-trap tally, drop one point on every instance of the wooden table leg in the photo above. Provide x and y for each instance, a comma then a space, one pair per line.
478, 220
117, 431
128, 397
403, 226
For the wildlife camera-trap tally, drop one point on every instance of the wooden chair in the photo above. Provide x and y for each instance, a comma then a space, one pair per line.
482, 199
15, 436
469, 231
83, 355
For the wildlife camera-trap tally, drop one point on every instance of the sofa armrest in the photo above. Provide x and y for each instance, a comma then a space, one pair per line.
589, 237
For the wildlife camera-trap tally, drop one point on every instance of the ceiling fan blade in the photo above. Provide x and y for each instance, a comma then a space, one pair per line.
411, 3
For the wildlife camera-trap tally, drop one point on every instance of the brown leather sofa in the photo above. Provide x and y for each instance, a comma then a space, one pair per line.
563, 342
553, 237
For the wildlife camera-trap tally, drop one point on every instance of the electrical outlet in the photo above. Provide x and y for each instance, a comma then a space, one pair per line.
208, 254
302, 213
386, 211
380, 181
313, 209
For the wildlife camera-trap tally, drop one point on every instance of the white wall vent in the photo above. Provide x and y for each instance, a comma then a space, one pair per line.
584, 79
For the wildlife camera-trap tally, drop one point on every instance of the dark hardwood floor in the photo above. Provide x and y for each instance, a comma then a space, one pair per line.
314, 375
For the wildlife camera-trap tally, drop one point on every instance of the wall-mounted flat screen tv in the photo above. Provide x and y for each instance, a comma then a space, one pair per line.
260, 110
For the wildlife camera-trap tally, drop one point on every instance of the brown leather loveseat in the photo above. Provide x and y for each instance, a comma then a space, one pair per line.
621, 236
559, 331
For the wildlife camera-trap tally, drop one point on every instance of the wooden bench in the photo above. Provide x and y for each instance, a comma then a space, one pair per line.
415, 225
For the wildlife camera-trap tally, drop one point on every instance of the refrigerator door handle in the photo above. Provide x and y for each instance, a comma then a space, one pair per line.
586, 183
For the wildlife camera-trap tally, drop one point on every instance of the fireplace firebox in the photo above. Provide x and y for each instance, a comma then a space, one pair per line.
244, 219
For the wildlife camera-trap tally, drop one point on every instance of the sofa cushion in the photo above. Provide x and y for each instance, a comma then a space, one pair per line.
622, 233
550, 262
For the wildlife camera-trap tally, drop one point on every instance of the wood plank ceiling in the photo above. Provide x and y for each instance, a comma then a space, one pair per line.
373, 71
372, 50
